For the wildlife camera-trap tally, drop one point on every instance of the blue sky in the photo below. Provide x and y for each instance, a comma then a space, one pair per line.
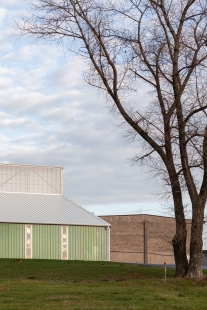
50, 116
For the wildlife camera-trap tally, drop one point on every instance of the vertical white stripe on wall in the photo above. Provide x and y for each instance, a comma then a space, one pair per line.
28, 241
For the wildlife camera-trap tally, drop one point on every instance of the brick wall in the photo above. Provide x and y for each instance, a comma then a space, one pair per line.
142, 238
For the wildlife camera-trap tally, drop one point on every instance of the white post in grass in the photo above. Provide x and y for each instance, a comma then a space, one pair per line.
164, 271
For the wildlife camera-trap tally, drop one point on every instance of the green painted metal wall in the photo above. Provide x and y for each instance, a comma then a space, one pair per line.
12, 240
87, 243
46, 241
84, 243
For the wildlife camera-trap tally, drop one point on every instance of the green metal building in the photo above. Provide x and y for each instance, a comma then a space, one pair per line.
35, 223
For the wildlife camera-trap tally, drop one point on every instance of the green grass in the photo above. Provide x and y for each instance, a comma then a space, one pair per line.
95, 285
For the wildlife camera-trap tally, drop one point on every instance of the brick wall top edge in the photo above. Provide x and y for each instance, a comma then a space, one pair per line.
140, 215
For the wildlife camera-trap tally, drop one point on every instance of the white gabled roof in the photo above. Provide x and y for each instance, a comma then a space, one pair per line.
44, 209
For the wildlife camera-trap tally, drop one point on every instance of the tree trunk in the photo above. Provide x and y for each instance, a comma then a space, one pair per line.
179, 240
196, 244
179, 248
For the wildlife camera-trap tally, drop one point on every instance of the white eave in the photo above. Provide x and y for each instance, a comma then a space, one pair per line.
44, 209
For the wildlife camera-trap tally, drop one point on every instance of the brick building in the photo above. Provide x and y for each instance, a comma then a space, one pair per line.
142, 238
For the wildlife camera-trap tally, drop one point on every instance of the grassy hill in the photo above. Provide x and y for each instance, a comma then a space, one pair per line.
50, 284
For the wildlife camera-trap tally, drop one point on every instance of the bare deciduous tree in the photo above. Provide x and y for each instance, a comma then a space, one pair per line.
162, 43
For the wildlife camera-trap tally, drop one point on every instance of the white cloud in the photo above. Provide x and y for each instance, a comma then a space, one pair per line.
3, 13
7, 3
5, 44
49, 116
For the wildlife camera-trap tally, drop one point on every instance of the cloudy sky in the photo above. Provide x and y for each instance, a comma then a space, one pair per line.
50, 116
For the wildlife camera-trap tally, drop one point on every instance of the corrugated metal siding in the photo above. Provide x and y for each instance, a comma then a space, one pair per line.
12, 240
44, 209
87, 243
30, 179
84, 243
46, 241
